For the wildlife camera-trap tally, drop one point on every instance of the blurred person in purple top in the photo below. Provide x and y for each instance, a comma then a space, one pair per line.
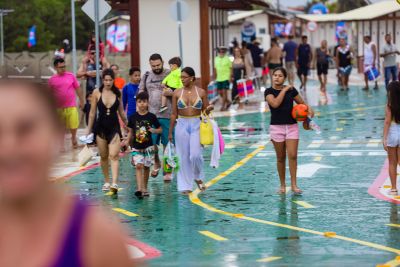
41, 224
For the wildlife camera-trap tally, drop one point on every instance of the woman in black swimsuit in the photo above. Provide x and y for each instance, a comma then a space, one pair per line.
107, 99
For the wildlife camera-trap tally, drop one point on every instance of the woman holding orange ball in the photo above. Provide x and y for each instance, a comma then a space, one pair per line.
283, 129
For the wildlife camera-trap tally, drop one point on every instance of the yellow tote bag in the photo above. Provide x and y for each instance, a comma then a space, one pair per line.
206, 130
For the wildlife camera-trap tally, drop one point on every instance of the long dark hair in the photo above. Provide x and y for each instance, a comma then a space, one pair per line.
114, 89
394, 100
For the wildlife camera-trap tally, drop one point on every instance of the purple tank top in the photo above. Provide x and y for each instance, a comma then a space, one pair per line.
70, 253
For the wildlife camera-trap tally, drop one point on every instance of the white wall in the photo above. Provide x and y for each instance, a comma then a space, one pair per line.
260, 21
159, 33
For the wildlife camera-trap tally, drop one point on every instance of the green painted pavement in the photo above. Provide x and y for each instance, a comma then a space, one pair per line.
337, 192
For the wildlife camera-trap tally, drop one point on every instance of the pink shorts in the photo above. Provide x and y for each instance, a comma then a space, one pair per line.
280, 133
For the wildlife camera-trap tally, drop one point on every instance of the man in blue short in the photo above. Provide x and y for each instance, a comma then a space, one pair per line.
304, 58
151, 83
289, 48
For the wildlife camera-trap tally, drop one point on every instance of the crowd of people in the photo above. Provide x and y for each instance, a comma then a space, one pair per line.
140, 114
152, 107
251, 61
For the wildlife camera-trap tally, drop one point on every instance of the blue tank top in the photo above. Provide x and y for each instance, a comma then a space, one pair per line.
70, 253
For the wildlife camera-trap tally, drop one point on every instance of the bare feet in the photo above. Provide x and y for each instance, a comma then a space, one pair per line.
200, 185
168, 177
282, 190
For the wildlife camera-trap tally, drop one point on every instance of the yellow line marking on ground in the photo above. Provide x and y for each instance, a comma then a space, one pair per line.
213, 236
194, 197
393, 225
392, 263
269, 259
304, 204
125, 212
318, 158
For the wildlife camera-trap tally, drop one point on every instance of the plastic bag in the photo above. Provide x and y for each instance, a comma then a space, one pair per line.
206, 130
85, 156
170, 159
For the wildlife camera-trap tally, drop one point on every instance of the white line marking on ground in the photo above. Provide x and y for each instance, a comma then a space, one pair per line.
345, 143
316, 143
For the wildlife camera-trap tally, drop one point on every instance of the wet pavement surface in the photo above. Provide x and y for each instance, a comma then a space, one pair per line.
336, 169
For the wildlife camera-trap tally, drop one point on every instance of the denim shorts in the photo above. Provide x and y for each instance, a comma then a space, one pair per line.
393, 138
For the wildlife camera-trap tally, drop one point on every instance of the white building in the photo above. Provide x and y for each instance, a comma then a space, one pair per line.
262, 21
375, 20
153, 30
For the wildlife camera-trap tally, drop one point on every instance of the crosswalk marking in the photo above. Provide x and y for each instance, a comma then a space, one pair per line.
316, 143
345, 143
377, 153
373, 143
346, 153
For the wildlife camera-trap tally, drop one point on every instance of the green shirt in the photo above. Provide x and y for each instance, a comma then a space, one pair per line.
223, 67
173, 79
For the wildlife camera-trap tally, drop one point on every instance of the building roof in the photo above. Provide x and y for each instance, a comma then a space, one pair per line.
243, 14
368, 12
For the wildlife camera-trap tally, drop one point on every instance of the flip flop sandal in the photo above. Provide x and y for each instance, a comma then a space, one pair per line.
139, 194
145, 194
167, 177
186, 192
114, 189
297, 192
393, 192
106, 187
201, 185
154, 173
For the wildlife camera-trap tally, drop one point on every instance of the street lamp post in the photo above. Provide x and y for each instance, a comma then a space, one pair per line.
3, 12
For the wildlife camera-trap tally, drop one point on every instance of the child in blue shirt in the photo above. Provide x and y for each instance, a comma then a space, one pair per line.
130, 91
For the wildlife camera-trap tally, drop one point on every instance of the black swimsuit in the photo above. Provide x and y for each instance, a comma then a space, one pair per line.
107, 125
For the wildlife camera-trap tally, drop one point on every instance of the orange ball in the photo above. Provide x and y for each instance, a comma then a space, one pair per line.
300, 112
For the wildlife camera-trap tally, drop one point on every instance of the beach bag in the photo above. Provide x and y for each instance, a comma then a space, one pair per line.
170, 159
206, 130
372, 73
212, 92
85, 156
245, 87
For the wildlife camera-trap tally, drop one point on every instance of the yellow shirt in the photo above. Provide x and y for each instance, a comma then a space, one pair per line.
223, 67
173, 79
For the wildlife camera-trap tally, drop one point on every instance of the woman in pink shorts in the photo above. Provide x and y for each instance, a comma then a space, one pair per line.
284, 130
